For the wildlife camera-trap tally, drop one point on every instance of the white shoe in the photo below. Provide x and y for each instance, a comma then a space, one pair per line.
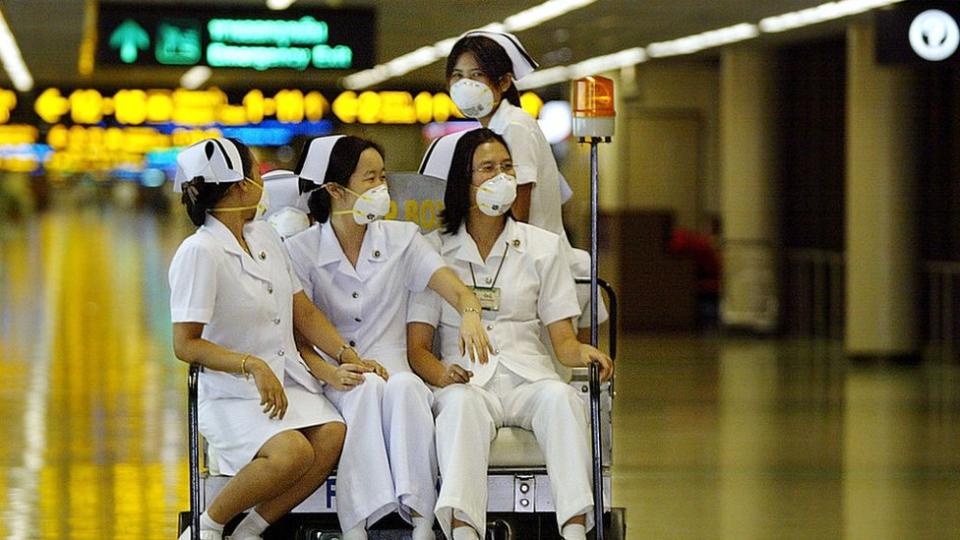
204, 535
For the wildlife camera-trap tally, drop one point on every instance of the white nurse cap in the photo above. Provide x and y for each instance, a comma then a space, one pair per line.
283, 188
214, 160
523, 63
316, 158
288, 209
436, 162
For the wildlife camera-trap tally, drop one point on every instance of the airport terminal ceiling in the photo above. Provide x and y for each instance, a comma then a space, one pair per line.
51, 32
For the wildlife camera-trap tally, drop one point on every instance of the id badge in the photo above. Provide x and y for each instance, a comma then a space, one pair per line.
489, 297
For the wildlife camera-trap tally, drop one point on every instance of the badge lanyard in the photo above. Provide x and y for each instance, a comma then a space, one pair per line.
489, 297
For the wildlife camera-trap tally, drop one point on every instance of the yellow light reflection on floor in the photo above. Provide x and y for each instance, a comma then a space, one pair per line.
93, 437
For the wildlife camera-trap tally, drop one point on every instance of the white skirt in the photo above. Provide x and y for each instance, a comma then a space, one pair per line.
236, 428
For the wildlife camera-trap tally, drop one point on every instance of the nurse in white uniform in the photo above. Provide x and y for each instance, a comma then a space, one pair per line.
235, 303
523, 282
360, 270
481, 70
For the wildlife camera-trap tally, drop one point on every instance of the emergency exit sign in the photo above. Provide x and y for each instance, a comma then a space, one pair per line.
244, 38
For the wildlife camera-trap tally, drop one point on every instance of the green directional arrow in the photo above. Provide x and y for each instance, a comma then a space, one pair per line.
129, 37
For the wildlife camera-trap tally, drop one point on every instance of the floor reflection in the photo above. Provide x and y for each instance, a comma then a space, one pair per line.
775, 439
92, 437
714, 438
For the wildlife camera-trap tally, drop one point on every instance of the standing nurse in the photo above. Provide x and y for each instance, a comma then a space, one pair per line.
481, 71
361, 270
235, 303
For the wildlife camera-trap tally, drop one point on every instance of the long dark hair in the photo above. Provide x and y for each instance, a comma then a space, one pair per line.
457, 199
344, 157
492, 59
207, 194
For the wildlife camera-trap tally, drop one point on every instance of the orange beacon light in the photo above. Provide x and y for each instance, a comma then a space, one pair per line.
593, 113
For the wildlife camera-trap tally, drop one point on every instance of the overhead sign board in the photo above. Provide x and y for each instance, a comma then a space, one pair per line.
919, 32
229, 37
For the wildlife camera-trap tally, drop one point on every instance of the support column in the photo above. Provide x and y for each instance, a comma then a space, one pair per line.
748, 189
880, 184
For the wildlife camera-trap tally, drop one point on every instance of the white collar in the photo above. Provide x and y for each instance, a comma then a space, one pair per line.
501, 117
466, 248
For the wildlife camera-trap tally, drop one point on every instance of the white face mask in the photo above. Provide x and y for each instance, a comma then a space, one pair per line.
289, 221
496, 195
474, 98
370, 205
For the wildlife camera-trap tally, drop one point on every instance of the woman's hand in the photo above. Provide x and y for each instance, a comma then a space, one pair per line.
273, 399
348, 376
455, 374
473, 339
589, 355
350, 356
375, 367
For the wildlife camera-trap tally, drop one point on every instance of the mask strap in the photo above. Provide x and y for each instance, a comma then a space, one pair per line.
235, 208
239, 208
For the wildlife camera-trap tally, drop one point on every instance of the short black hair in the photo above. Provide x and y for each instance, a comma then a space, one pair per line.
208, 193
492, 59
457, 199
344, 157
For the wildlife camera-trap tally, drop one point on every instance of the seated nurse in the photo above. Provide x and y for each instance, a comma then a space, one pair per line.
360, 270
522, 280
234, 304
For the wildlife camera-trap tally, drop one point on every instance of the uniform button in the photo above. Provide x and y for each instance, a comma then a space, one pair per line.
269, 289
355, 294
376, 253
489, 281
489, 327
358, 319
516, 243
496, 351
276, 321
281, 352
353, 343
262, 255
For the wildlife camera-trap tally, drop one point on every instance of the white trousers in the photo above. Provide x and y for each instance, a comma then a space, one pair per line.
389, 461
467, 420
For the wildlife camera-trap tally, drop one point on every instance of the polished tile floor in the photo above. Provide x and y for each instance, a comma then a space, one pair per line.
714, 438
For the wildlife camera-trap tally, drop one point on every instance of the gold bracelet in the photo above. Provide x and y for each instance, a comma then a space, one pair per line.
243, 366
471, 309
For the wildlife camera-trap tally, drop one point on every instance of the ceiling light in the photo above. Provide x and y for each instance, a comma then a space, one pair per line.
537, 15
279, 4
698, 42
821, 13
12, 59
194, 77
590, 66
704, 40
609, 62
544, 77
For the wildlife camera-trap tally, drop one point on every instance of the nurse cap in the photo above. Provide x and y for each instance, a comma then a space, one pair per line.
523, 63
316, 159
436, 162
283, 187
215, 160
